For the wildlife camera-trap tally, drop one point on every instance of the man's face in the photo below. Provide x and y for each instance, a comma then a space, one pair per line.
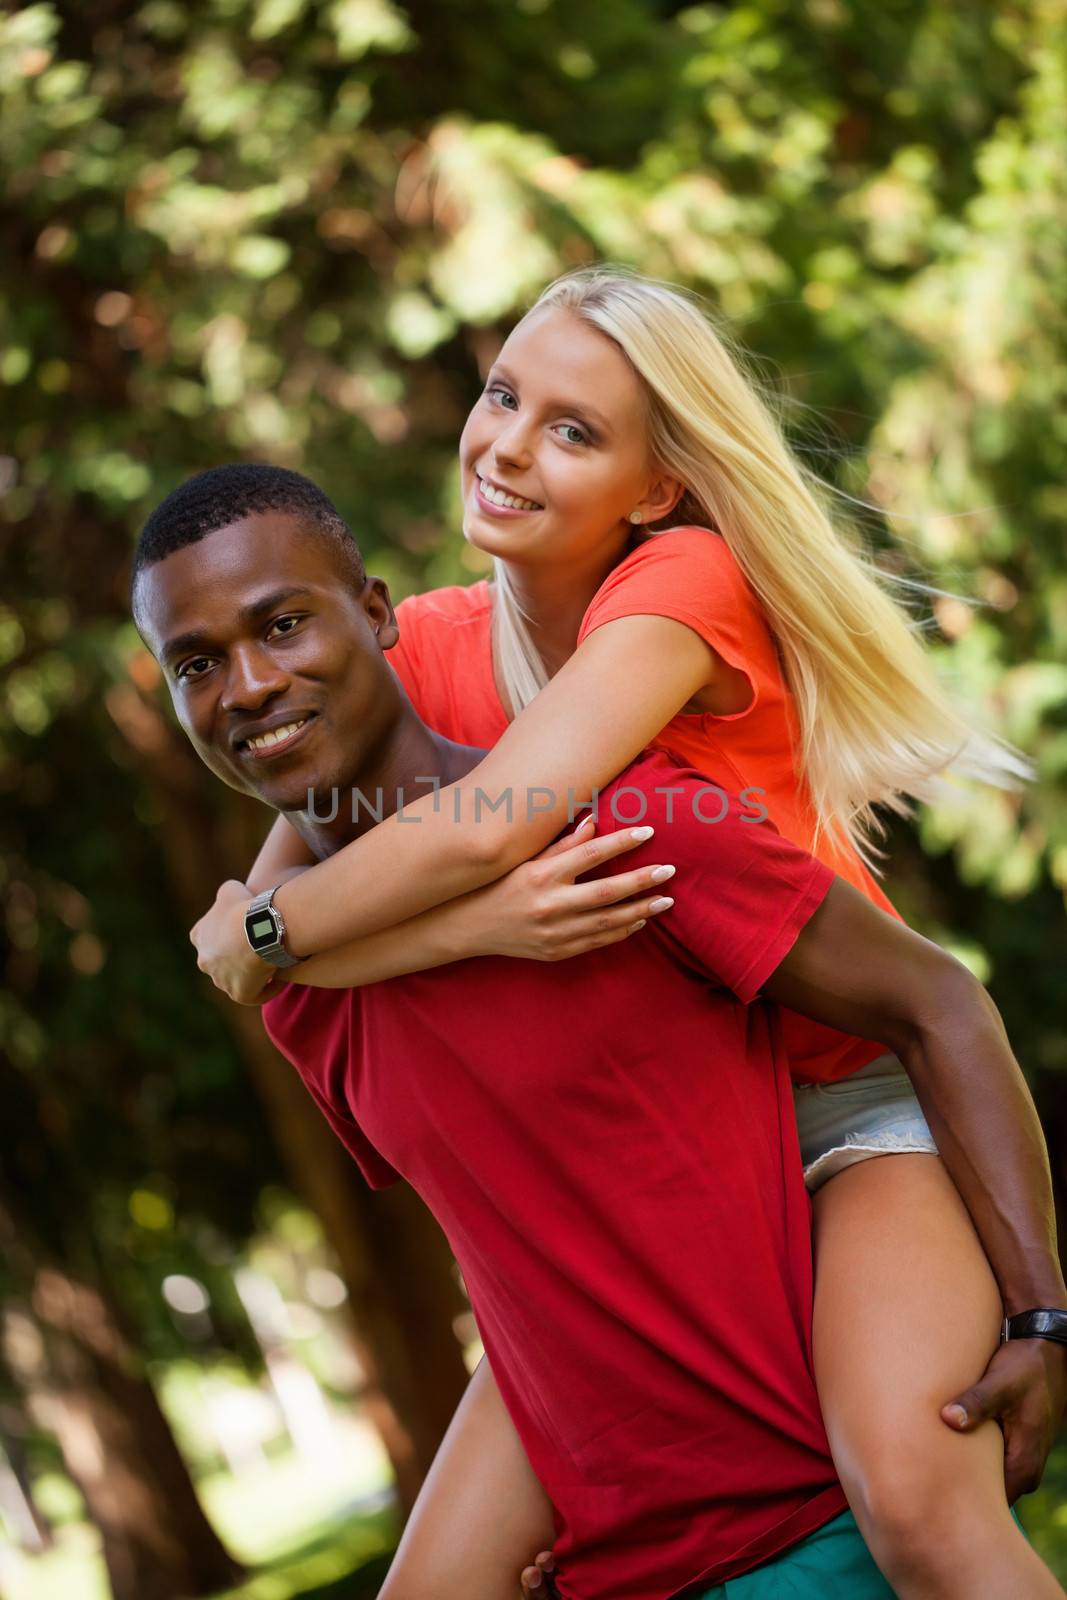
273, 656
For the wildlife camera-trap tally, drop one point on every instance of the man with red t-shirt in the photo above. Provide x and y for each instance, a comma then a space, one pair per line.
609, 1144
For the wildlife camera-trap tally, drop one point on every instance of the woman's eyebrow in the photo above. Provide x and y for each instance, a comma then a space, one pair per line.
497, 371
594, 418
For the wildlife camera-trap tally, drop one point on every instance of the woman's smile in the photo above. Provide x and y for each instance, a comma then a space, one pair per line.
498, 501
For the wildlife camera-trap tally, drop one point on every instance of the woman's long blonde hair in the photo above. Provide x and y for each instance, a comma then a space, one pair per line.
876, 725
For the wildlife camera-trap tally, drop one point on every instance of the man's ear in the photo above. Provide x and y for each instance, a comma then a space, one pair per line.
379, 608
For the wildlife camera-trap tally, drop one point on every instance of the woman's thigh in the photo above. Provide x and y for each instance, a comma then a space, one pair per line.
481, 1515
907, 1314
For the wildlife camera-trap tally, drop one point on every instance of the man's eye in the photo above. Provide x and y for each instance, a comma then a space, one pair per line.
502, 396
284, 625
194, 668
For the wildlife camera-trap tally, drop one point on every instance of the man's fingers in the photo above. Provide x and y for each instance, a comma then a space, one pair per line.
1029, 1433
1022, 1476
538, 1580
1026, 1448
977, 1405
1023, 1390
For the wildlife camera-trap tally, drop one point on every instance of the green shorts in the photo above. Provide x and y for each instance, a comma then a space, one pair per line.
831, 1561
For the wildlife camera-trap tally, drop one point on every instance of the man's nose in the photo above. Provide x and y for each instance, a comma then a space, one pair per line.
253, 677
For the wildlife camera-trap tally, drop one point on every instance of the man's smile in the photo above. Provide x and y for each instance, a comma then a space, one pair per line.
273, 736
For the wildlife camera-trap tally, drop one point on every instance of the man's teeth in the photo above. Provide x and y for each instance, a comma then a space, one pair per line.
263, 741
499, 498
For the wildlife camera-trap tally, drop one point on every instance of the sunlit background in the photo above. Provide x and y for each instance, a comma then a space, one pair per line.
296, 231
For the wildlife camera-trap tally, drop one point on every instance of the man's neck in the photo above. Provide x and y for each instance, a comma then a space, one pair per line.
412, 762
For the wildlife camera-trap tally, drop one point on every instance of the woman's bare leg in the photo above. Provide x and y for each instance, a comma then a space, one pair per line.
481, 1514
907, 1315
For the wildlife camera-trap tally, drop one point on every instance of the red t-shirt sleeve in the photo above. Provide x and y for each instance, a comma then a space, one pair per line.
742, 892
690, 575
311, 1029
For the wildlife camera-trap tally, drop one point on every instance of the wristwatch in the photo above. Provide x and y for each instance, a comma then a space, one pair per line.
1036, 1325
265, 930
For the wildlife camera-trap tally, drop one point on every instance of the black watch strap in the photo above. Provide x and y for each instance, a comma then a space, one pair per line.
1036, 1325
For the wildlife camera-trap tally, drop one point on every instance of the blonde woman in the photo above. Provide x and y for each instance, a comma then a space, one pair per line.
665, 573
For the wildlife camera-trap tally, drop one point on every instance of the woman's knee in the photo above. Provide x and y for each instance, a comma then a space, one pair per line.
923, 1525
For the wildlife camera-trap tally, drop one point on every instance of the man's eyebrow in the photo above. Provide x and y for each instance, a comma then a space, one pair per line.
251, 613
587, 413
268, 602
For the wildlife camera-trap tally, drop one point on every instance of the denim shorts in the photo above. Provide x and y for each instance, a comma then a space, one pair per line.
872, 1113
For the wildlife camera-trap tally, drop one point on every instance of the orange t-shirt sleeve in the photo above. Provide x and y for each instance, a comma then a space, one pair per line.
405, 657
690, 575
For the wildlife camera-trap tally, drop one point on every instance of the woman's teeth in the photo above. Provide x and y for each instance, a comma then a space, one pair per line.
499, 498
263, 741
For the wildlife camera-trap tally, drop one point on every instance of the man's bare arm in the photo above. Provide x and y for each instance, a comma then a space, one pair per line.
859, 970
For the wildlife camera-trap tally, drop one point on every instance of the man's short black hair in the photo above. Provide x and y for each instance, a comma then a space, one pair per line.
213, 499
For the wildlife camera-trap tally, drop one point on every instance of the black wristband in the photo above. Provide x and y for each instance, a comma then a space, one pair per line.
1036, 1325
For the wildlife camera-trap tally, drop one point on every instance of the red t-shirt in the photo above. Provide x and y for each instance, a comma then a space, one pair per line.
610, 1146
444, 660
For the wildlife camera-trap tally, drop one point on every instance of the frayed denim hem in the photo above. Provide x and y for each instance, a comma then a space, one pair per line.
863, 1147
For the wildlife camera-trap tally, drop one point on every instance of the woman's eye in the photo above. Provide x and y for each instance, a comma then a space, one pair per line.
503, 397
573, 434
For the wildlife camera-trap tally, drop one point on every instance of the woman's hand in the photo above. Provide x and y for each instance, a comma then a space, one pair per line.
223, 952
537, 912
540, 913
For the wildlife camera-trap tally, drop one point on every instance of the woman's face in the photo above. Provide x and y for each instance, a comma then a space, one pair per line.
554, 455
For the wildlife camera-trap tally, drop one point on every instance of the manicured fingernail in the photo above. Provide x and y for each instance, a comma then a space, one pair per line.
638, 925
641, 834
661, 874
584, 823
534, 1580
956, 1415
662, 904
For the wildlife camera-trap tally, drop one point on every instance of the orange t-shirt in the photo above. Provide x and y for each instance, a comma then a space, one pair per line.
444, 661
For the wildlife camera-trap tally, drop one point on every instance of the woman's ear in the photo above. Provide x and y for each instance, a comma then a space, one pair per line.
661, 497
379, 608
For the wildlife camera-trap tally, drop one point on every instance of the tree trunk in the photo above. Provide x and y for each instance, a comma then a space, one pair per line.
394, 1260
83, 1381
396, 1266
18, 1505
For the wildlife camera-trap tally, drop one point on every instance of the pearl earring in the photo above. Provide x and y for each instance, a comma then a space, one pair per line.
636, 516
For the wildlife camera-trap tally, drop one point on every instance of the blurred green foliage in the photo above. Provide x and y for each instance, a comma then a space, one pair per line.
295, 230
